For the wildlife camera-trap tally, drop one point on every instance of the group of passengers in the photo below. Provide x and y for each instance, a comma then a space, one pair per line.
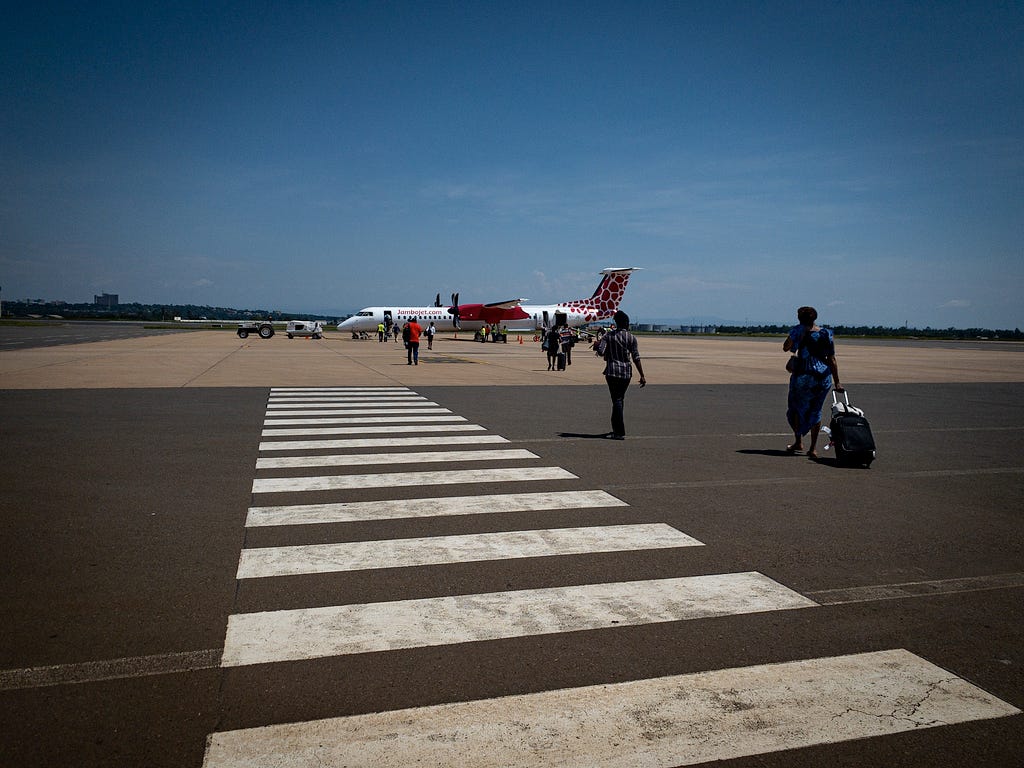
813, 369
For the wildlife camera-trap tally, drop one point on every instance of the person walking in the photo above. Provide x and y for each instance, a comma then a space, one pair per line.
413, 351
813, 372
618, 347
567, 340
431, 330
380, 332
551, 346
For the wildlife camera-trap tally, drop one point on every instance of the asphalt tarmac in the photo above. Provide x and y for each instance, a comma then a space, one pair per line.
124, 513
42, 333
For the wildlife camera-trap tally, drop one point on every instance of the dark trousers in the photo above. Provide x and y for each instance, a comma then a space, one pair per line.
617, 389
414, 352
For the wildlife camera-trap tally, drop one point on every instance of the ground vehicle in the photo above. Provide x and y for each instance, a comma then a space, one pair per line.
312, 328
262, 327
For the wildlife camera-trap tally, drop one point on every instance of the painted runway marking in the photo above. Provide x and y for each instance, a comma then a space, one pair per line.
113, 669
395, 429
299, 397
406, 479
359, 412
751, 482
346, 393
365, 420
914, 431
403, 442
403, 399
358, 511
302, 445
916, 589
191, 661
417, 457
265, 562
309, 633
658, 723
768, 708
304, 390
396, 404
400, 392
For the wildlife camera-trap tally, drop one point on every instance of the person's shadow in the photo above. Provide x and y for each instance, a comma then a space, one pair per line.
828, 461
585, 436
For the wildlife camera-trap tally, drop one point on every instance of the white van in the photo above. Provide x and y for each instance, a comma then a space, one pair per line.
312, 328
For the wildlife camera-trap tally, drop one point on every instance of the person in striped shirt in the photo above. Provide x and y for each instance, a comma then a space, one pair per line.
618, 347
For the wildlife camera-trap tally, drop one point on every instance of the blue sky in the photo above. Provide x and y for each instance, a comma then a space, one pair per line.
863, 157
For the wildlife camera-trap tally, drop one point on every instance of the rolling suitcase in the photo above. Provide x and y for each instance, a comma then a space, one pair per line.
561, 361
851, 434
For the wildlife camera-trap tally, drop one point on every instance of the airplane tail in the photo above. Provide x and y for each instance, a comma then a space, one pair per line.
606, 298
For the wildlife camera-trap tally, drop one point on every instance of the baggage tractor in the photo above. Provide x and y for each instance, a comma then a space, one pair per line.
851, 434
561, 361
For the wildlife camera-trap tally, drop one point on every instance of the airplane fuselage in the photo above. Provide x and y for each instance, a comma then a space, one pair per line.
526, 318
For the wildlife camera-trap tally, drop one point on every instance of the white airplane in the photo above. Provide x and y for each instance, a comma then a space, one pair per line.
512, 314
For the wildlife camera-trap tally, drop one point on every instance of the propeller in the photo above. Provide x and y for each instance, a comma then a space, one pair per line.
437, 301
454, 311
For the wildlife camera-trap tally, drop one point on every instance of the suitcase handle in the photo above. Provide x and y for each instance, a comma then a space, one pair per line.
835, 399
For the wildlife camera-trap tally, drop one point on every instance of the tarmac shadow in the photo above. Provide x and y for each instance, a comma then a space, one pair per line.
767, 452
833, 463
601, 435
828, 461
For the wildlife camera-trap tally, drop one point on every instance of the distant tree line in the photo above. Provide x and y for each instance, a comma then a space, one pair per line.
167, 313
147, 312
879, 331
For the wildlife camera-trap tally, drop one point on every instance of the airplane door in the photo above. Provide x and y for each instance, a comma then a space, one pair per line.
547, 322
388, 322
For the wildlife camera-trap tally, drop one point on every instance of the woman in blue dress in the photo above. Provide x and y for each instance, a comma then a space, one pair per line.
813, 372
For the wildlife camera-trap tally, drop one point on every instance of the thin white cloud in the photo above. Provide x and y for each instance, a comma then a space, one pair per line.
955, 304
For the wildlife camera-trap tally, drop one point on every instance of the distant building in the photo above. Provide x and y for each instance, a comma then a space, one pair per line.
108, 300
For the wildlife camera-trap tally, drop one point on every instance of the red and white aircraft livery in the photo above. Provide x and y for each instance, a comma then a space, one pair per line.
512, 314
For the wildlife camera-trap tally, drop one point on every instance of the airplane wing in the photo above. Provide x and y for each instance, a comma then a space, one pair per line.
508, 304
498, 312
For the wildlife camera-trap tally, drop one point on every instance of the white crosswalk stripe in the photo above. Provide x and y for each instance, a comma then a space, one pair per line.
483, 504
309, 633
355, 393
361, 411
303, 390
406, 442
418, 457
405, 479
663, 722
367, 419
302, 445
398, 553
658, 723
417, 402
303, 402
